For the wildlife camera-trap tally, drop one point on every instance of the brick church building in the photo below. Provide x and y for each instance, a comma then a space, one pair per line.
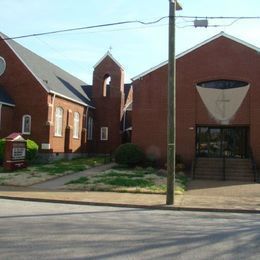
217, 108
61, 113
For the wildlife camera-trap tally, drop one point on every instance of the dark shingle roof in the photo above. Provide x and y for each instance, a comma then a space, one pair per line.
51, 77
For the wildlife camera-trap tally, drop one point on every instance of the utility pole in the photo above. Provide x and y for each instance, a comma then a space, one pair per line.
171, 133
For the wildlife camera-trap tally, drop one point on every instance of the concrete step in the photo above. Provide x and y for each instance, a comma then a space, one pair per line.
235, 169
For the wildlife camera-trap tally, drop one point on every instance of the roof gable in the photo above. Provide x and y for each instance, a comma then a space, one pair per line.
222, 34
108, 54
52, 78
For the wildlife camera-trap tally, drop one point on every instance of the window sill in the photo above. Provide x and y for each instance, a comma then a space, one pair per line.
59, 136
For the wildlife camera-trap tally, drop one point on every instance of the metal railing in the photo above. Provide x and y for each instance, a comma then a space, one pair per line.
193, 167
224, 167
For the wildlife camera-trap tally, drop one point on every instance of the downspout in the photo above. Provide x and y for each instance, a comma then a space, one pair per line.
124, 119
0, 114
52, 104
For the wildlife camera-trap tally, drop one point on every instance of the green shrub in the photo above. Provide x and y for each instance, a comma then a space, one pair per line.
129, 154
2, 147
31, 149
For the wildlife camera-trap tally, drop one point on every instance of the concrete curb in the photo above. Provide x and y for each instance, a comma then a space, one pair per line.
150, 207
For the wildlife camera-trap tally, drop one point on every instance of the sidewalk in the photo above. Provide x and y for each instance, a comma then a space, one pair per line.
59, 182
201, 195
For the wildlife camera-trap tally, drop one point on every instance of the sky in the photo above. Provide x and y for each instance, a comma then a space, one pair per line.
136, 47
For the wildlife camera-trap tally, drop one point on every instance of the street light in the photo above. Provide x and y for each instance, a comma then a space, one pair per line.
171, 133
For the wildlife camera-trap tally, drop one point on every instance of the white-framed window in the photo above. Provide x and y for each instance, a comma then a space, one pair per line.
90, 128
26, 125
76, 125
104, 133
58, 121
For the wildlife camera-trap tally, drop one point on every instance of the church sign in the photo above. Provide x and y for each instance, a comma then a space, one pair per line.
15, 152
18, 151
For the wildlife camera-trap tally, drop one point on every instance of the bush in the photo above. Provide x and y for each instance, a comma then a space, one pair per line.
2, 147
31, 149
129, 154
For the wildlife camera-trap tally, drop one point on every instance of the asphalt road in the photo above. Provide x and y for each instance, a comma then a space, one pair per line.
30, 230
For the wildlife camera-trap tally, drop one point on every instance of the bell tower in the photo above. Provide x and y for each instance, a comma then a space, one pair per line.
108, 98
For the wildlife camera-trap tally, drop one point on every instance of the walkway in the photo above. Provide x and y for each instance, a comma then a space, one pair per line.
55, 184
201, 195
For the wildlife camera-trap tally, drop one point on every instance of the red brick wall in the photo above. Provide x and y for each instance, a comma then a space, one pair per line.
57, 142
7, 119
28, 95
32, 99
108, 110
219, 59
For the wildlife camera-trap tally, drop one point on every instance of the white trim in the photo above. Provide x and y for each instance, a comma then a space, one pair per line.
30, 124
105, 128
2, 65
129, 129
58, 129
40, 80
196, 47
127, 106
18, 56
7, 104
52, 107
70, 99
76, 125
111, 56
149, 70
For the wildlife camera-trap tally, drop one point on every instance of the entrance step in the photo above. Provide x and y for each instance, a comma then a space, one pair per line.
235, 169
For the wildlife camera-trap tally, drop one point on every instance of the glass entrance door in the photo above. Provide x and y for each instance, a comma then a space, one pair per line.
221, 141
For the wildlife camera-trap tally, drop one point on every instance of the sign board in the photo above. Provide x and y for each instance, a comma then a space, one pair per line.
46, 146
18, 151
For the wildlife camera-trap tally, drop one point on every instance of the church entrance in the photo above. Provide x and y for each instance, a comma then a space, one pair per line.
217, 142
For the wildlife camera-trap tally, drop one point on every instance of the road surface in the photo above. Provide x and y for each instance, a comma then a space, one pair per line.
31, 230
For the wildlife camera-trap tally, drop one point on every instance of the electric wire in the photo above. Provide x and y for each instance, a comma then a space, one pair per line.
133, 22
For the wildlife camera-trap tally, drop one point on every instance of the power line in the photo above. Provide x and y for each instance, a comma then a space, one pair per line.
133, 22
219, 17
85, 28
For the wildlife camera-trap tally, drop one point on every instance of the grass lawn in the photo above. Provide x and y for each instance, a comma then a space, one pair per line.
138, 180
42, 172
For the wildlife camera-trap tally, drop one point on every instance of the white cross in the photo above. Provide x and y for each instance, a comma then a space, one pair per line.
221, 104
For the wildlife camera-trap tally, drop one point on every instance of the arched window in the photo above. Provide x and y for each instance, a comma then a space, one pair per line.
76, 125
58, 121
106, 85
26, 126
90, 128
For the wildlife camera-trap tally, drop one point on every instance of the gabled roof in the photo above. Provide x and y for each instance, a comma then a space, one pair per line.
108, 54
222, 34
52, 78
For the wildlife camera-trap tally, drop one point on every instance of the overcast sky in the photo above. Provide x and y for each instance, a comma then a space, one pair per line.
135, 46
